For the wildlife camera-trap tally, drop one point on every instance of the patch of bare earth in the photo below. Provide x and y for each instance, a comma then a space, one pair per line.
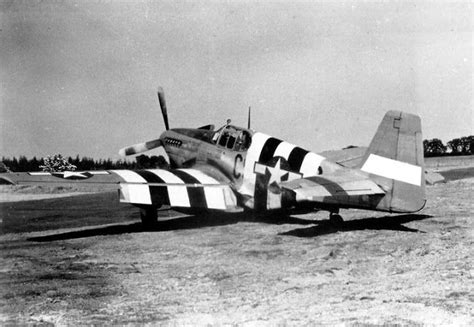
300, 270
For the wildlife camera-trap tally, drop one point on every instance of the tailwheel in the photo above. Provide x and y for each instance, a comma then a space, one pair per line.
335, 219
149, 216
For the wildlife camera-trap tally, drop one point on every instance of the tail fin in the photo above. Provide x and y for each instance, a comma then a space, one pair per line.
395, 161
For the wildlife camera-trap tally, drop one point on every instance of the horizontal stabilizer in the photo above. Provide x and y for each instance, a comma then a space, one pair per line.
342, 190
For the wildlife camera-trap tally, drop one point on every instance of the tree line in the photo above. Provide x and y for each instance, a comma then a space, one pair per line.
85, 163
456, 147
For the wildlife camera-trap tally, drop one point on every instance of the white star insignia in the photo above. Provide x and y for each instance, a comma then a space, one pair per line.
69, 174
276, 174
73, 175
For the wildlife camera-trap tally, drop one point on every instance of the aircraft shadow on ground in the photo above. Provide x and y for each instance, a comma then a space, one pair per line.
394, 223
322, 227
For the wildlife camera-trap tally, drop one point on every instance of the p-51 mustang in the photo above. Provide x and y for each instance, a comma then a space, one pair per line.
233, 169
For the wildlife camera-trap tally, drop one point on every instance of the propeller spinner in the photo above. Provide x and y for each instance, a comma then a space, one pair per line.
146, 146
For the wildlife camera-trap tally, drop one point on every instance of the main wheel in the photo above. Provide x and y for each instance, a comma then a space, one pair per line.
336, 220
149, 217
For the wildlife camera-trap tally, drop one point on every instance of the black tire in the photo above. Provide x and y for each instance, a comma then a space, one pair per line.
149, 217
336, 220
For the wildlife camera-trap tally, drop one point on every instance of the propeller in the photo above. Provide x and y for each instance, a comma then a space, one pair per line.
142, 147
161, 99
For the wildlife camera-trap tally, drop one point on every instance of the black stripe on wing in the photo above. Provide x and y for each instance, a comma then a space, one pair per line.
197, 198
159, 194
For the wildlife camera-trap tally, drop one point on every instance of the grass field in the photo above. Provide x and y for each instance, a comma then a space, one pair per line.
86, 260
444, 163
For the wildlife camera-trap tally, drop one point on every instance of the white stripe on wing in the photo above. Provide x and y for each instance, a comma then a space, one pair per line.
200, 176
214, 195
178, 194
135, 189
130, 176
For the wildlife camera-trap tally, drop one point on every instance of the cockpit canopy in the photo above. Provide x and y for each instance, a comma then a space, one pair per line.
233, 138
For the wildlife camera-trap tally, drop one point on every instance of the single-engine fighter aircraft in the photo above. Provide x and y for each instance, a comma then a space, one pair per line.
233, 169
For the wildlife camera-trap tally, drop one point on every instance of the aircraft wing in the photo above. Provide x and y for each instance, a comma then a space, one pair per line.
337, 189
181, 188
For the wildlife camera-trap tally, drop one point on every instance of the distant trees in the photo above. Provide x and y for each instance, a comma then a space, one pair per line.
66, 163
463, 145
458, 146
26, 164
434, 147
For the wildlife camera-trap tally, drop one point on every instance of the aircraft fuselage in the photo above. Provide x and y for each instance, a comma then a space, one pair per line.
251, 161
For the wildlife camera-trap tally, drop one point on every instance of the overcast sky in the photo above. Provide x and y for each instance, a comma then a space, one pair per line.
81, 77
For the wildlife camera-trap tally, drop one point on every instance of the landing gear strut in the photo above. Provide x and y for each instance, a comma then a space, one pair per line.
335, 219
149, 216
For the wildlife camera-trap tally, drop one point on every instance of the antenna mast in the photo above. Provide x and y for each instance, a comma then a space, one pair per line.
248, 122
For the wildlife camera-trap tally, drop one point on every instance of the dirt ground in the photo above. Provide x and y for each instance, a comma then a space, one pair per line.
236, 270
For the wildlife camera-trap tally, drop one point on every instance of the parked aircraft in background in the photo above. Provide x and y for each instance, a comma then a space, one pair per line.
233, 169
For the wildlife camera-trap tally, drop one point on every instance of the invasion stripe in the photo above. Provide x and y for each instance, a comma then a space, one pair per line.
284, 150
214, 195
296, 157
178, 194
135, 187
253, 153
130, 176
268, 149
258, 142
196, 195
200, 176
311, 163
159, 194
149, 176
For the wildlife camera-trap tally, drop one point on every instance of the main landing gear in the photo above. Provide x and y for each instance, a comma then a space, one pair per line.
149, 216
335, 219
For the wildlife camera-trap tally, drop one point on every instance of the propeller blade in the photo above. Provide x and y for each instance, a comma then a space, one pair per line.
161, 99
140, 147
